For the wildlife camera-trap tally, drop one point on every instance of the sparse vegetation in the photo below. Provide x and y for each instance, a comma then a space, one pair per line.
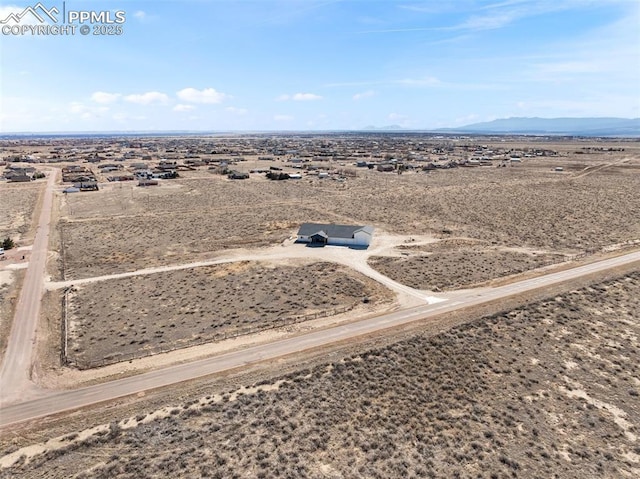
133, 317
547, 390
18, 203
540, 391
457, 268
515, 207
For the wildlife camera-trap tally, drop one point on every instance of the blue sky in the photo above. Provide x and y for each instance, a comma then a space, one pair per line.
318, 65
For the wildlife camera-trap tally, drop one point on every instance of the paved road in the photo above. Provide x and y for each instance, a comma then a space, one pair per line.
16, 366
60, 401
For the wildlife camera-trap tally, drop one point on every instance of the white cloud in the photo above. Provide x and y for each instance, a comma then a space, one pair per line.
208, 95
237, 111
147, 98
609, 104
299, 97
400, 120
364, 94
140, 15
283, 117
501, 14
103, 97
431, 8
7, 10
593, 68
183, 107
490, 22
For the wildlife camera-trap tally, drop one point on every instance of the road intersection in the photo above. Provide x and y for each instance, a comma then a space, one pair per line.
54, 402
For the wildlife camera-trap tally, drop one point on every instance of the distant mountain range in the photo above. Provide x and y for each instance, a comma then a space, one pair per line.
620, 127
554, 126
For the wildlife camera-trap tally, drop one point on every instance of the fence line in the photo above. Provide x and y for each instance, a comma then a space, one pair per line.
62, 256
118, 358
64, 333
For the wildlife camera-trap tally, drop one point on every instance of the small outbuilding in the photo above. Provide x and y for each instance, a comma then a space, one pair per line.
330, 234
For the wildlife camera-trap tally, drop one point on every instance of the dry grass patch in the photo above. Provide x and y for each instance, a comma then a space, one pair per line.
512, 206
454, 269
176, 196
10, 283
18, 203
137, 316
97, 247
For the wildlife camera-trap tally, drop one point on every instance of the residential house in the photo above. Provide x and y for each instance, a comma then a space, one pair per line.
331, 234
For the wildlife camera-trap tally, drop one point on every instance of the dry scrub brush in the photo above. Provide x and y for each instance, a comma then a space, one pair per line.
94, 247
548, 390
18, 203
143, 314
511, 206
457, 269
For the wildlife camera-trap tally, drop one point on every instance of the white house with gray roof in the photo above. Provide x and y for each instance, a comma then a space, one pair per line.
344, 235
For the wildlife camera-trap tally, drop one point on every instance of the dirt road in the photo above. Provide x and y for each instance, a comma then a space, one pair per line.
16, 366
353, 258
60, 401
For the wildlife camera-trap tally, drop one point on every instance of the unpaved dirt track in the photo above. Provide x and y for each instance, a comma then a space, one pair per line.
16, 366
352, 258
56, 402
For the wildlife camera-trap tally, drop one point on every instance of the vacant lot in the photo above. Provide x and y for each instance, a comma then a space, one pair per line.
137, 316
183, 195
457, 268
9, 288
125, 228
18, 202
549, 390
512, 206
128, 243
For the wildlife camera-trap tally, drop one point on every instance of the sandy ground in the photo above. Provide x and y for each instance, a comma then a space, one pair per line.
356, 259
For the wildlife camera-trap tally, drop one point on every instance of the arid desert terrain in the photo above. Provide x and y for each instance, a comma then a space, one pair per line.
139, 278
